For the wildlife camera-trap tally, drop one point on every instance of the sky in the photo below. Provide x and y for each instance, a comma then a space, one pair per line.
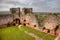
37, 5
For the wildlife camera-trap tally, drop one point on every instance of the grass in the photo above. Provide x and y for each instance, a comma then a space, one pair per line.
13, 33
49, 37
40, 34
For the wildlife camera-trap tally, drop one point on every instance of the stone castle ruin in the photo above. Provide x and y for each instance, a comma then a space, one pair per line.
16, 15
15, 12
51, 24
27, 18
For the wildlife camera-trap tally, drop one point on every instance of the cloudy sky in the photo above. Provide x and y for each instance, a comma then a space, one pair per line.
37, 5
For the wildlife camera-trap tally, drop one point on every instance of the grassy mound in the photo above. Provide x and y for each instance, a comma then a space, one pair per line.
13, 33
42, 35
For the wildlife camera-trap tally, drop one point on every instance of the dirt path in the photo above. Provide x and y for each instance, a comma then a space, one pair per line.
57, 38
33, 35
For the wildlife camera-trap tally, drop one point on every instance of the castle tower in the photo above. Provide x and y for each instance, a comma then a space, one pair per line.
15, 12
26, 10
16, 15
28, 18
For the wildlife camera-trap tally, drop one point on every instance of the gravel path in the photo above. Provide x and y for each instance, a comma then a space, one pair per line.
57, 38
33, 35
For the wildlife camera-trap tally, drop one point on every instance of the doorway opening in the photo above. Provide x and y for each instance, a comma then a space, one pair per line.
34, 25
24, 24
48, 31
43, 28
24, 20
17, 21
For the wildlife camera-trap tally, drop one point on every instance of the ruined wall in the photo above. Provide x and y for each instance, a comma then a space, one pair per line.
15, 12
51, 21
8, 18
26, 11
4, 19
28, 18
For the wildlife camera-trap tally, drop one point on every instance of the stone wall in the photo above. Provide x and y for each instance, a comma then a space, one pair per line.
15, 12
51, 24
28, 18
51, 21
5, 19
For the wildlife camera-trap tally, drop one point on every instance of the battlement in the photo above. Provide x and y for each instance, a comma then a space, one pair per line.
15, 12
26, 10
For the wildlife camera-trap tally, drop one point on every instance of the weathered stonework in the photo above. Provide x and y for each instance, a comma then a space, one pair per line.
51, 21
15, 12
28, 18
51, 24
4, 19
16, 15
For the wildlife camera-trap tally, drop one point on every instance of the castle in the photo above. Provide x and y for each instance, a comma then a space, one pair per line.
27, 18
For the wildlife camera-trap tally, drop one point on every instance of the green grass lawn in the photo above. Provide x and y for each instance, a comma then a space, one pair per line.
38, 33
13, 33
